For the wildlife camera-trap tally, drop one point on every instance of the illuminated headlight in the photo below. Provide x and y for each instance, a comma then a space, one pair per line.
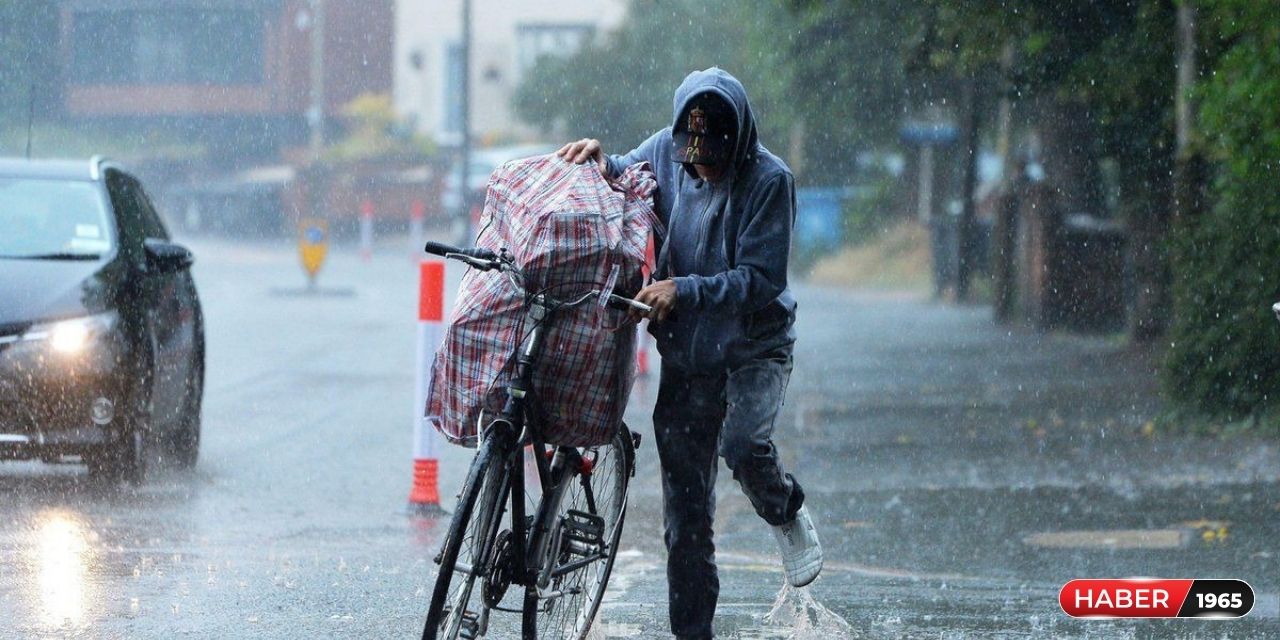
72, 336
69, 336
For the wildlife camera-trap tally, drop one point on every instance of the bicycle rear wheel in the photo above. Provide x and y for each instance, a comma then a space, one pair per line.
597, 498
456, 605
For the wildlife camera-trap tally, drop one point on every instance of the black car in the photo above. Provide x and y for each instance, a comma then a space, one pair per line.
101, 331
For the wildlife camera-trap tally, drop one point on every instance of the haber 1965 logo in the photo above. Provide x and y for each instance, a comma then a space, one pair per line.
1156, 598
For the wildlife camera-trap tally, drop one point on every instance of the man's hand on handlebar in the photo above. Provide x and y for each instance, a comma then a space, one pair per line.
660, 295
583, 150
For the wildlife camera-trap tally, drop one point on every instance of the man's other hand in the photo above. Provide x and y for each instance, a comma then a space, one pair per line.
583, 150
660, 295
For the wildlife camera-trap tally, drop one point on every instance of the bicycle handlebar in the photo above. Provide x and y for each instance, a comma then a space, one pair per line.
486, 259
446, 250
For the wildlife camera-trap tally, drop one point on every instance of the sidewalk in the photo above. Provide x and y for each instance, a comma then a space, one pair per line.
962, 473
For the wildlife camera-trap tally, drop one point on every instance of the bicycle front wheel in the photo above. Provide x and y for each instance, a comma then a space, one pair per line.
582, 544
457, 607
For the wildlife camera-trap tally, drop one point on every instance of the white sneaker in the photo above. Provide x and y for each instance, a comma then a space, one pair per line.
801, 551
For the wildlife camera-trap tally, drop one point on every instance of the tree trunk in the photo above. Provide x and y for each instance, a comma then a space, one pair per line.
1070, 155
795, 147
1183, 197
1004, 244
1189, 168
1004, 228
965, 232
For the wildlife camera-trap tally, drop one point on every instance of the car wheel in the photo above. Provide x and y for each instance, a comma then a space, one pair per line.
126, 459
184, 444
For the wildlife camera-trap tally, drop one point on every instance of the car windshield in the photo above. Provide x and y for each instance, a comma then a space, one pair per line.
52, 219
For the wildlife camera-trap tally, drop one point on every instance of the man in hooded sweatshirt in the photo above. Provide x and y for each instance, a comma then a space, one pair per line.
723, 321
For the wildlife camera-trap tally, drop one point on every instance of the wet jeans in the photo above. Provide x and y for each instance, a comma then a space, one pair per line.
697, 417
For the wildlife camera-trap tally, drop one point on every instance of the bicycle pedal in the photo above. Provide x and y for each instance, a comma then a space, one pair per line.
469, 628
583, 527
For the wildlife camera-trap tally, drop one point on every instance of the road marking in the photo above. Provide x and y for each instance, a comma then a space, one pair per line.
1113, 539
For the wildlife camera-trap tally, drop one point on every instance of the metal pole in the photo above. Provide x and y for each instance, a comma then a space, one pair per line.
924, 189
463, 215
965, 251
1184, 108
315, 115
31, 114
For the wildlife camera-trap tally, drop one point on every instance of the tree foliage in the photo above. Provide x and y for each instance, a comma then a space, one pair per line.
831, 71
375, 132
1225, 353
1113, 58
847, 71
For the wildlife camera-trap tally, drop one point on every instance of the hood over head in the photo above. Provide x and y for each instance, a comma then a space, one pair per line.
722, 83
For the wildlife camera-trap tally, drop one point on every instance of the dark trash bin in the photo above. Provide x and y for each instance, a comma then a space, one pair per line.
1089, 291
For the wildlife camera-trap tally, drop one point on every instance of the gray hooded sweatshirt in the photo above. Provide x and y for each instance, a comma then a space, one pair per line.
727, 243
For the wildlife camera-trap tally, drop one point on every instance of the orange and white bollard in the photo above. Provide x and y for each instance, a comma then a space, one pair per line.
417, 214
366, 230
424, 498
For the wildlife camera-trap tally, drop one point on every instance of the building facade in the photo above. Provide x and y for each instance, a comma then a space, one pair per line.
508, 36
239, 75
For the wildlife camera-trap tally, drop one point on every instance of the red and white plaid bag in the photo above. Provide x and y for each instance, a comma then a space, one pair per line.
568, 229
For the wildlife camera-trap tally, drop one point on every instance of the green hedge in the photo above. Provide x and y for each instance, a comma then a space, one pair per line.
1224, 358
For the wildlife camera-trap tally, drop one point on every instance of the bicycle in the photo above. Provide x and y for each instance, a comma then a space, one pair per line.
563, 553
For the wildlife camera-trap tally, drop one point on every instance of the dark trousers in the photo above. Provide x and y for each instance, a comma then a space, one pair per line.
696, 417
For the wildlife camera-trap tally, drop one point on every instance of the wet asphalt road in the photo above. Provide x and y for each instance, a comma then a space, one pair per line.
940, 454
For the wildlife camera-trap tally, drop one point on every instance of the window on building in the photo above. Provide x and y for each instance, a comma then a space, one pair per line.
536, 40
173, 46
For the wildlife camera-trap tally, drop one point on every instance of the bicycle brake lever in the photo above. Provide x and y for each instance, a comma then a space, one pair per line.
481, 264
626, 303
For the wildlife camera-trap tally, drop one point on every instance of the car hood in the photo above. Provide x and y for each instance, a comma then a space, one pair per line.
37, 290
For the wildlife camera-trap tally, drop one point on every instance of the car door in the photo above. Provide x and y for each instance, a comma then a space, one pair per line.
165, 307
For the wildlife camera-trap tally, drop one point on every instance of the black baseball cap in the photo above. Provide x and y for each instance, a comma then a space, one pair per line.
706, 131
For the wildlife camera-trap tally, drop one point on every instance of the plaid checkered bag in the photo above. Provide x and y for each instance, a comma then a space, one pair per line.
568, 229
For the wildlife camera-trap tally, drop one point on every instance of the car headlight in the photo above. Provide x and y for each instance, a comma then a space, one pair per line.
69, 336
72, 336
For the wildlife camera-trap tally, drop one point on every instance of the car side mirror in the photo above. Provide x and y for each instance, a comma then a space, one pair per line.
167, 257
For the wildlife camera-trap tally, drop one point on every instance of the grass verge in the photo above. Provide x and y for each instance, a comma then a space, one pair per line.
897, 259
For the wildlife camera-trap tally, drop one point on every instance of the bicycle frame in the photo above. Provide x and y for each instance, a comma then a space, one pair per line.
513, 429
526, 557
